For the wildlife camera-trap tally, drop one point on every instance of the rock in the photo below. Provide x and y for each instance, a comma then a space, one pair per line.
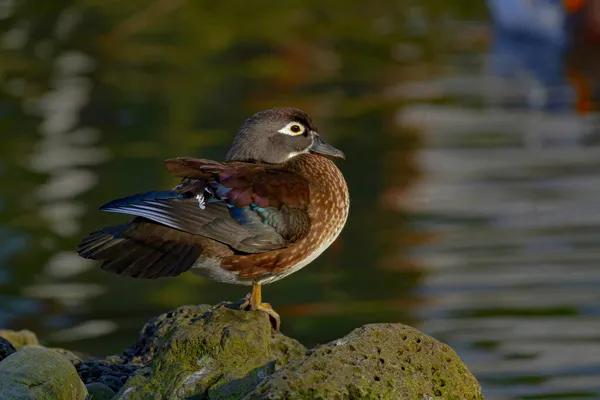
39, 374
217, 354
211, 353
74, 357
110, 372
381, 361
157, 328
19, 338
99, 391
6, 348
114, 371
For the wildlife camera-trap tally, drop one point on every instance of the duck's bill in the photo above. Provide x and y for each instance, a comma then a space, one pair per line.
320, 146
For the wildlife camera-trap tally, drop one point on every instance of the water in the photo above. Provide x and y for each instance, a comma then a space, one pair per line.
473, 164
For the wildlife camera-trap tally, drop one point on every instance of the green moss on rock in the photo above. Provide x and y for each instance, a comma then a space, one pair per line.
381, 361
114, 371
210, 353
36, 373
218, 354
155, 330
24, 338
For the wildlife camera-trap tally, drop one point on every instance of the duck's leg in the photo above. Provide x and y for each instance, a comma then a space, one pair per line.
254, 302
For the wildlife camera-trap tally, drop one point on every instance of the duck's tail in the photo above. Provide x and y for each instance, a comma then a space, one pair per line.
140, 249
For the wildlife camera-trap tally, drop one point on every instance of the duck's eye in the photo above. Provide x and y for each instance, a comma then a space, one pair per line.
293, 129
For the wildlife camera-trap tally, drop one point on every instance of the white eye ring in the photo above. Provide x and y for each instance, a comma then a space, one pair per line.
292, 129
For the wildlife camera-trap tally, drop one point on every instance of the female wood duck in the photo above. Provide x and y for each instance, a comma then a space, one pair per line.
273, 206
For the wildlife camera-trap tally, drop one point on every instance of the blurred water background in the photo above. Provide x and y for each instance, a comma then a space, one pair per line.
473, 160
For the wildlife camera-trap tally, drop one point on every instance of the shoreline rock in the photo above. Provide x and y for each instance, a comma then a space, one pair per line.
208, 352
40, 374
378, 361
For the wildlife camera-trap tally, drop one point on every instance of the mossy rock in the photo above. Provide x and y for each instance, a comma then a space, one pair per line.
20, 339
154, 331
380, 361
220, 354
6, 348
36, 373
203, 352
114, 371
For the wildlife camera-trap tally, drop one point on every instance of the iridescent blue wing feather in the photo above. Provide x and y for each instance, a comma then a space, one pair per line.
250, 208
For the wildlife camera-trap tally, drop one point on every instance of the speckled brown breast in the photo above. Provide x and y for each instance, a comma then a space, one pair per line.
327, 211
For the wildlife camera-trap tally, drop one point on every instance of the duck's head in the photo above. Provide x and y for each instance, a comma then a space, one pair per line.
278, 135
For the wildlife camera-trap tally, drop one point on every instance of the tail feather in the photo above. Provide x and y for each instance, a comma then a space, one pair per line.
95, 239
140, 249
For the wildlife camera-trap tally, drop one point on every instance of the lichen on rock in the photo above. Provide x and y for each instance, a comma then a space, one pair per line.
218, 354
114, 371
155, 330
24, 338
379, 361
36, 373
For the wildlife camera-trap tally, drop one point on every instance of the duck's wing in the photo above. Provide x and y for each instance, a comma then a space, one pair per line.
143, 249
252, 208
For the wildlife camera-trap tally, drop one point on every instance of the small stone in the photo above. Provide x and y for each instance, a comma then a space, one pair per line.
36, 373
6, 348
99, 391
108, 373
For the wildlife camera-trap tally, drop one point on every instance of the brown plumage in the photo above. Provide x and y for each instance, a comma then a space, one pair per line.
272, 207
326, 212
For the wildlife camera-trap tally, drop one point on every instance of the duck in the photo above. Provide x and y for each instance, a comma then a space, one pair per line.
272, 206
